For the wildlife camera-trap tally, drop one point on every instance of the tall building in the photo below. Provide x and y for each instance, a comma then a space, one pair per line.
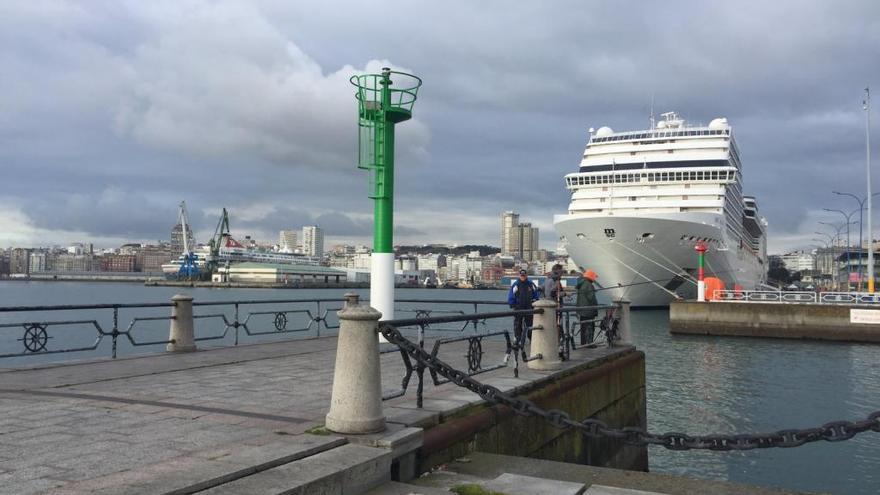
519, 240
177, 239
510, 242
313, 241
287, 241
529, 237
19, 261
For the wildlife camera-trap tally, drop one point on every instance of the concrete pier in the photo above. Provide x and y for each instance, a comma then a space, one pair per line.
810, 321
225, 420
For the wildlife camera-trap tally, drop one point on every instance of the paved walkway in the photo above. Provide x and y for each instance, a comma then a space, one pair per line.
80, 425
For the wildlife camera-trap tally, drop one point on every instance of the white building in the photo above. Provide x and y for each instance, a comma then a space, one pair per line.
798, 261
37, 262
287, 241
313, 241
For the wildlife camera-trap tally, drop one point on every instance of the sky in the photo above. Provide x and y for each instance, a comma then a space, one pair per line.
112, 112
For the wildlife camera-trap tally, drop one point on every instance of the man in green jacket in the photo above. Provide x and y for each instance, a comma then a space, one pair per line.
586, 296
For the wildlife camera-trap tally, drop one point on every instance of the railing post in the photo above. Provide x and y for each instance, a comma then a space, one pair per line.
356, 400
235, 322
181, 334
624, 327
115, 329
545, 337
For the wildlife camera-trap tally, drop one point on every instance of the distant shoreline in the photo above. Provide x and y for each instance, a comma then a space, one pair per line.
155, 282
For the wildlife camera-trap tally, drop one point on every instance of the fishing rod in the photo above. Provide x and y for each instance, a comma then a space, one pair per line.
657, 281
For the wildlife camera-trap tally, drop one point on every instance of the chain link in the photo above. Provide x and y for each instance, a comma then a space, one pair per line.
835, 431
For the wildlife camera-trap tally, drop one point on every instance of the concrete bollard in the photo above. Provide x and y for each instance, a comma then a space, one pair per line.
545, 337
356, 400
181, 332
624, 328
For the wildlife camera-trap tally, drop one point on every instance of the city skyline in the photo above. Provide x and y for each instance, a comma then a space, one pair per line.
267, 114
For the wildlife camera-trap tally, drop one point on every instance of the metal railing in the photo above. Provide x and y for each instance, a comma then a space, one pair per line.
40, 330
513, 348
769, 296
237, 321
36, 333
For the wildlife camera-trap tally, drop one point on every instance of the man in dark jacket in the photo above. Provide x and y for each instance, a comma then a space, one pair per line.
521, 295
586, 296
553, 285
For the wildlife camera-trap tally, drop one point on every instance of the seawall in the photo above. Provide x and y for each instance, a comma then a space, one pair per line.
611, 389
776, 320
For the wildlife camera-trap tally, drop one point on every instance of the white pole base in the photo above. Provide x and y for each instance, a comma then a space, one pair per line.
701, 291
382, 286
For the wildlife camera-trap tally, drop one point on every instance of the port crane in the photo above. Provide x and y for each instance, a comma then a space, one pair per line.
189, 268
220, 238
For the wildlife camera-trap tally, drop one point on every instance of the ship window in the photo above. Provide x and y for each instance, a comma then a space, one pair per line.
632, 198
684, 197
669, 151
678, 176
633, 153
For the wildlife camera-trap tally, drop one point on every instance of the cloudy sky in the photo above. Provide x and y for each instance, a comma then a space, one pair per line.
111, 112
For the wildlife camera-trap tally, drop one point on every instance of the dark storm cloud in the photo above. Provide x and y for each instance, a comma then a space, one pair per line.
113, 112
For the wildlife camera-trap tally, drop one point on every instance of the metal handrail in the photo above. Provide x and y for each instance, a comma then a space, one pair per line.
68, 307
794, 297
37, 337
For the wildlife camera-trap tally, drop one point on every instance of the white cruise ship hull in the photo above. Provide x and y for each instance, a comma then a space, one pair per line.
656, 253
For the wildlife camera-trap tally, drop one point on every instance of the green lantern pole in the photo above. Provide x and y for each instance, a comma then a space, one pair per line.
384, 100
701, 249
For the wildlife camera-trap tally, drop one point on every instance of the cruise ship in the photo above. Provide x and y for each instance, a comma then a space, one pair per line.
642, 201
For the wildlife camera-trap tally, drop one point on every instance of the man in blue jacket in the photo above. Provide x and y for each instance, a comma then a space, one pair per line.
521, 295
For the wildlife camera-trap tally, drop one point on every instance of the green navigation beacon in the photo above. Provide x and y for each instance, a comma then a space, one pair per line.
384, 100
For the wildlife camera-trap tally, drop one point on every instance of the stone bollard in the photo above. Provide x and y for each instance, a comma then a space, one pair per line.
181, 325
545, 337
356, 401
624, 328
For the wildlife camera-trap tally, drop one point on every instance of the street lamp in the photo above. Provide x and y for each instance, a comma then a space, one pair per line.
861, 202
866, 105
847, 217
836, 242
828, 244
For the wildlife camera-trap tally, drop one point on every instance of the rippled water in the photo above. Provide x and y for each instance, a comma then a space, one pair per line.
695, 384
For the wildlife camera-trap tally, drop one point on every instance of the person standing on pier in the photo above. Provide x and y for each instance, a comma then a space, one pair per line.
554, 290
523, 292
586, 296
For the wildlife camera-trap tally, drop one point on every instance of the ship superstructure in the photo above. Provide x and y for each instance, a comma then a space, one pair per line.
642, 200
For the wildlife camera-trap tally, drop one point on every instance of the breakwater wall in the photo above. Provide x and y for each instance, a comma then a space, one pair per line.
611, 389
810, 321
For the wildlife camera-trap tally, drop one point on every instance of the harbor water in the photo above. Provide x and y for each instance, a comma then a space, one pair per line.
695, 384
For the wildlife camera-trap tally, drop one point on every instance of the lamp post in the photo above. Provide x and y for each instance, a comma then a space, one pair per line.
833, 257
826, 246
861, 202
836, 241
848, 222
866, 106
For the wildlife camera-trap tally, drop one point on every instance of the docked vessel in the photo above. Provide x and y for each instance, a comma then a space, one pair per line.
642, 201
232, 251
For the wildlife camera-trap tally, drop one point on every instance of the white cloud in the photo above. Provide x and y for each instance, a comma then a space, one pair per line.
226, 81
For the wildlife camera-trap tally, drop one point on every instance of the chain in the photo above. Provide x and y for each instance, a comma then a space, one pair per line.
831, 432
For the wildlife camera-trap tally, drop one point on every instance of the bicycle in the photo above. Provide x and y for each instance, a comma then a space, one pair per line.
609, 331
